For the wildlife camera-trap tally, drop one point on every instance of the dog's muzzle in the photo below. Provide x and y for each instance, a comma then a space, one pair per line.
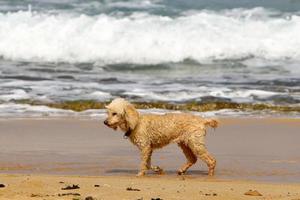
106, 122
113, 126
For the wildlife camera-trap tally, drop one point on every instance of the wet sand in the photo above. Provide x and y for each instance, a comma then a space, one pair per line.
246, 149
39, 157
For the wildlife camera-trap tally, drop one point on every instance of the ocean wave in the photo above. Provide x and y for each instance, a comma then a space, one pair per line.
79, 6
143, 38
55, 93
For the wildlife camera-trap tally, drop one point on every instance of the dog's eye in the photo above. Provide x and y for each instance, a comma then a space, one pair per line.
114, 114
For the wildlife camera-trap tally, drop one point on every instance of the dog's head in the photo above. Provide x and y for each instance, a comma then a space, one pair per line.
122, 114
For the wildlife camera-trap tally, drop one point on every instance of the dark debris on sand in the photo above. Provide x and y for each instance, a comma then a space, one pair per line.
69, 194
40, 195
253, 193
90, 198
132, 189
208, 194
2, 185
71, 187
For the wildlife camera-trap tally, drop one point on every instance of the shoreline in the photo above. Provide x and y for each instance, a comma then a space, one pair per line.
83, 105
27, 111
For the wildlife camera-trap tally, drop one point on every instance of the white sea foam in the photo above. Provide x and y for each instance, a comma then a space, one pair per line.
148, 39
247, 95
14, 95
134, 4
99, 95
24, 110
242, 95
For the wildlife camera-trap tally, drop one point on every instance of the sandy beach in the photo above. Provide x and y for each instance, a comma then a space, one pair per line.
132, 188
63, 61
253, 154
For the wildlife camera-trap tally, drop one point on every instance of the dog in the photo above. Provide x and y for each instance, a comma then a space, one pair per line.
152, 131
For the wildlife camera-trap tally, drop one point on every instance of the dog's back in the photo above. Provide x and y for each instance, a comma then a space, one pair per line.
160, 130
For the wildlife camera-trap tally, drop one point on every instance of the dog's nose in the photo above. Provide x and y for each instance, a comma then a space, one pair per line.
105, 122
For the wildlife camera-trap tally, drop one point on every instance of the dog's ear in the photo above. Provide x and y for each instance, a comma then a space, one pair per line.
131, 116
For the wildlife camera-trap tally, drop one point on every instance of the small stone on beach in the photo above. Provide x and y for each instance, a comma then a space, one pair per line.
253, 193
2, 185
96, 185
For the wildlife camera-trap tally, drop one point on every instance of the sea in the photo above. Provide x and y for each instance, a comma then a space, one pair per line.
241, 52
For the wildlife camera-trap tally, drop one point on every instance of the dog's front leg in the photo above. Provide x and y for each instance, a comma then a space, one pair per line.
146, 153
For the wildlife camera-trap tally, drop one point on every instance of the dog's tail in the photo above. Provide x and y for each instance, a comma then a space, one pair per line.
211, 122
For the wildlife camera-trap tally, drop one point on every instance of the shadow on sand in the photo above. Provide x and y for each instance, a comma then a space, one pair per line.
168, 172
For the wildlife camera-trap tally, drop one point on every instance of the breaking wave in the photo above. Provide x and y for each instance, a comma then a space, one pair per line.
142, 38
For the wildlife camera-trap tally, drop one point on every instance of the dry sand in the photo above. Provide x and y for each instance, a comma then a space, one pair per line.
253, 154
22, 187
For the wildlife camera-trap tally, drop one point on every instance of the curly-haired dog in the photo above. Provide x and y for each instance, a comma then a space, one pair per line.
150, 131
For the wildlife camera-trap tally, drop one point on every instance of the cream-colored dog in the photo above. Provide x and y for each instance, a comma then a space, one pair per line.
151, 131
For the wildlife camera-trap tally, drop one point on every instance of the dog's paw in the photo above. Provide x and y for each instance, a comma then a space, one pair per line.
157, 169
180, 172
140, 174
211, 173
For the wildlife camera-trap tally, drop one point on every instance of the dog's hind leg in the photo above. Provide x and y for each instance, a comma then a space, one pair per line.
198, 147
190, 156
210, 161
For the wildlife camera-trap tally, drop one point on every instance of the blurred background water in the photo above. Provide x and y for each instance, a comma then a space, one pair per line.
172, 51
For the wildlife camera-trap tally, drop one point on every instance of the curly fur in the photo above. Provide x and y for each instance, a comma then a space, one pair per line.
150, 131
